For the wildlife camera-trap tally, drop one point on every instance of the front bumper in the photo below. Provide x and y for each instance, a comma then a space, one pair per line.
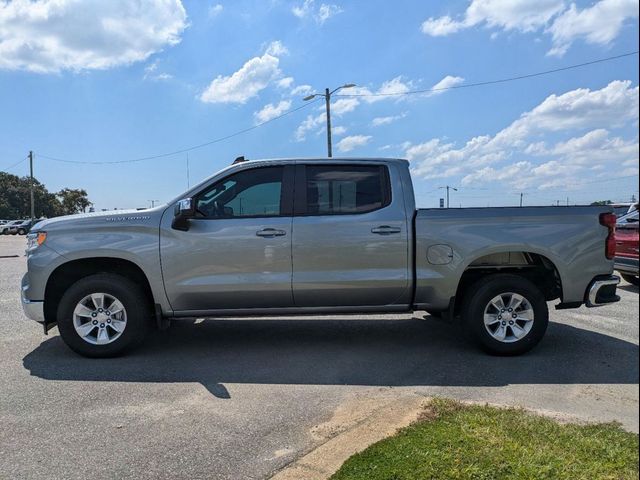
33, 309
602, 290
627, 265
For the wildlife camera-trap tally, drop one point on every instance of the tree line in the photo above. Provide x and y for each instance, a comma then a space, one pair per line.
15, 200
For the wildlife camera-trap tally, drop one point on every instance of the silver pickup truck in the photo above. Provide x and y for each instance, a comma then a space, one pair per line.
312, 236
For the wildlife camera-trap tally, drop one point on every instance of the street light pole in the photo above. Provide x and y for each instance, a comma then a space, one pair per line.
327, 98
448, 188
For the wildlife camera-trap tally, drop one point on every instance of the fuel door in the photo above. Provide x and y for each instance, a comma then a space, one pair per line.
439, 254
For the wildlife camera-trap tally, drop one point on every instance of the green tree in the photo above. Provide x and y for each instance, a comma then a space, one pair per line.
602, 202
15, 200
73, 200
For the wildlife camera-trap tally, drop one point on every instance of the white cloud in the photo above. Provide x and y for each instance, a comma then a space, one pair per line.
309, 124
339, 130
276, 49
522, 15
598, 24
446, 83
321, 14
354, 141
253, 77
271, 111
581, 111
215, 10
343, 105
378, 121
285, 82
302, 90
151, 73
49, 36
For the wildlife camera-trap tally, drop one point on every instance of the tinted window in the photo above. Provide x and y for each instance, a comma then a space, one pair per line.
348, 189
250, 193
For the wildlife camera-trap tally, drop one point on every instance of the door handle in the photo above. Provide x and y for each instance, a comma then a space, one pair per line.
385, 230
270, 233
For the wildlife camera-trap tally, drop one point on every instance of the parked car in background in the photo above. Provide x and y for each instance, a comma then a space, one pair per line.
4, 229
21, 228
627, 245
621, 209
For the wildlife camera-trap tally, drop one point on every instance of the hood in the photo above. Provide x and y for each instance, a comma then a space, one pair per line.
113, 217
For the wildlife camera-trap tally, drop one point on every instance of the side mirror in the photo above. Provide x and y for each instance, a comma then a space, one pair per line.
182, 212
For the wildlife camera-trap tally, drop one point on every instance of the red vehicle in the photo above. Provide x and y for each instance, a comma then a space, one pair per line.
627, 245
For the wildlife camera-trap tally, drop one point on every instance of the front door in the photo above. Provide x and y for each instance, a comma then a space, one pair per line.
236, 253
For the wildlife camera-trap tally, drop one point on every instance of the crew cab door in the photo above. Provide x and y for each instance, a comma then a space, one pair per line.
350, 236
236, 253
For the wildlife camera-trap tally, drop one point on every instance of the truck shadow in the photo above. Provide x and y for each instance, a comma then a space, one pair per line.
408, 352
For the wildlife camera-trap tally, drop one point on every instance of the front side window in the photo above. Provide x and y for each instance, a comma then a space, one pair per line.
333, 190
250, 193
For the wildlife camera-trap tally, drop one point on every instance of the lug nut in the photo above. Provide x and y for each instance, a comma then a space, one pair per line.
94, 314
499, 317
504, 323
102, 325
510, 322
511, 309
514, 315
100, 310
95, 322
108, 320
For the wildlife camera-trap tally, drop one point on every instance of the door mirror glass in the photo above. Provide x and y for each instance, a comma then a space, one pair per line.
182, 212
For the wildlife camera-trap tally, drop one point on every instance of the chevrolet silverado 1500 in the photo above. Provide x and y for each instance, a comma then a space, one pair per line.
311, 236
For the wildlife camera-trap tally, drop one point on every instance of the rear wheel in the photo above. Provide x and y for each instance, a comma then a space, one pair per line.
632, 279
505, 314
103, 315
22, 231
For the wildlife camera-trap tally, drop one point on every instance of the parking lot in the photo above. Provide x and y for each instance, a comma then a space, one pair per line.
243, 398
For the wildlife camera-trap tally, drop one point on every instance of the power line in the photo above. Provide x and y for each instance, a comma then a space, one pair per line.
492, 82
6, 169
183, 150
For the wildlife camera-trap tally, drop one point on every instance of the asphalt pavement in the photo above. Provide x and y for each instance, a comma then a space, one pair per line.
233, 399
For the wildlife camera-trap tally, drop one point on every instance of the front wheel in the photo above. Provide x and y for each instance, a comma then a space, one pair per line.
632, 279
505, 314
22, 232
103, 315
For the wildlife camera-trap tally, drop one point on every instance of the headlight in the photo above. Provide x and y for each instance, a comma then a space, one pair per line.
35, 239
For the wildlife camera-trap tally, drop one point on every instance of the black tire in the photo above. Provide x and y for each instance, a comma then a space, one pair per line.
22, 232
478, 298
127, 292
435, 313
632, 279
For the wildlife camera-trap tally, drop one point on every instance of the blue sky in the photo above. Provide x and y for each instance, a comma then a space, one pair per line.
110, 81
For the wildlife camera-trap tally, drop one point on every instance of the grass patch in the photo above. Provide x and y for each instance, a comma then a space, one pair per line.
456, 441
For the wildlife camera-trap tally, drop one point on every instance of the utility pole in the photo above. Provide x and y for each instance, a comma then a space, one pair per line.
521, 195
153, 202
448, 188
327, 98
31, 184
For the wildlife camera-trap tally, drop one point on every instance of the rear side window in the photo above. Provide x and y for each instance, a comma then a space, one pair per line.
335, 190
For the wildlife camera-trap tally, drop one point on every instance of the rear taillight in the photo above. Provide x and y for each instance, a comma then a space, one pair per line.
609, 221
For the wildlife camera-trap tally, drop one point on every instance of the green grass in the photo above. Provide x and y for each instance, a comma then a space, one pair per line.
455, 441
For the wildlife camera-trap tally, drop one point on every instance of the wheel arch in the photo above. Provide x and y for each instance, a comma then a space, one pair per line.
70, 272
533, 266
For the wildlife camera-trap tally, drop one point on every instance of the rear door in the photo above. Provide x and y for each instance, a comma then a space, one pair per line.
350, 236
